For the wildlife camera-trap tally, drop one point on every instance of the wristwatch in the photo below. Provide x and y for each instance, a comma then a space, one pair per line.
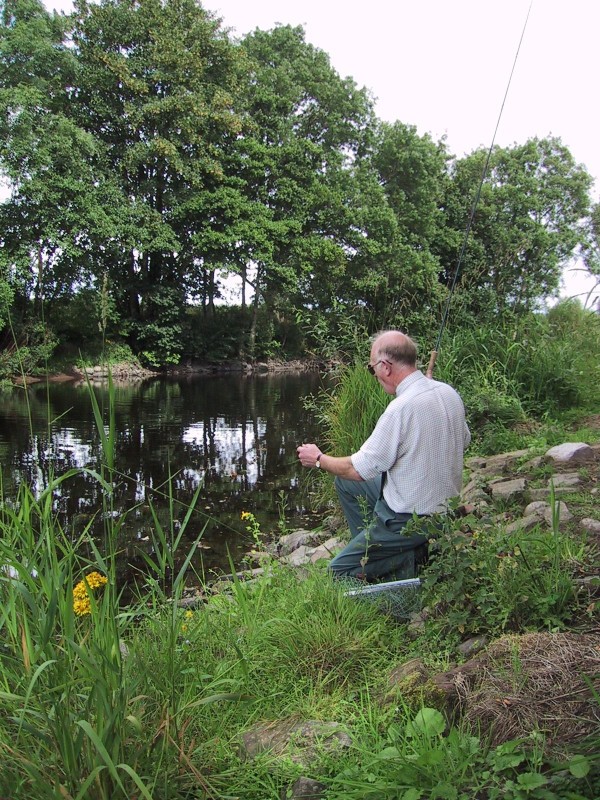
318, 461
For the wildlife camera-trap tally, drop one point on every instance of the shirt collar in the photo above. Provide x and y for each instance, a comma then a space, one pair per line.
407, 382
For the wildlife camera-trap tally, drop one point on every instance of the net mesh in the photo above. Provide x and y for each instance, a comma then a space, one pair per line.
398, 599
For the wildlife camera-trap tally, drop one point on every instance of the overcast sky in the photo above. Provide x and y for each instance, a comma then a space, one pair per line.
444, 65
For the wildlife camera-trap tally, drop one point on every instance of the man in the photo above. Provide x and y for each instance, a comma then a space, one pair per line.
411, 465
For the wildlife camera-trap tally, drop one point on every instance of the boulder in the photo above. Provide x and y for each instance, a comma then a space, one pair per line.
298, 740
571, 452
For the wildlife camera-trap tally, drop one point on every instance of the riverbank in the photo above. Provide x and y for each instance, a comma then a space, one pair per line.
133, 371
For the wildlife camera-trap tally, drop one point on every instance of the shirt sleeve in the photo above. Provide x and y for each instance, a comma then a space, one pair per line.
381, 450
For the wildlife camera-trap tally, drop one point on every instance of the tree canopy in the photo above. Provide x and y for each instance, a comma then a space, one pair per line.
150, 157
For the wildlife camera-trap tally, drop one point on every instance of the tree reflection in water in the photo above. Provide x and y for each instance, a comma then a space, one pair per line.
231, 438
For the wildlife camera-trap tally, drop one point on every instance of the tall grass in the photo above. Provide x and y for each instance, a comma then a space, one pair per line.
74, 708
151, 700
348, 412
538, 364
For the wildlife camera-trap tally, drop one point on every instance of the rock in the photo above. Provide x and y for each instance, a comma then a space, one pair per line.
298, 557
564, 515
291, 541
305, 788
545, 492
475, 462
469, 647
326, 550
409, 670
476, 497
566, 479
538, 508
417, 623
590, 525
571, 452
509, 490
534, 463
524, 523
296, 739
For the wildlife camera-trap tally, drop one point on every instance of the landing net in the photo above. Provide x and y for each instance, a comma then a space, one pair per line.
399, 599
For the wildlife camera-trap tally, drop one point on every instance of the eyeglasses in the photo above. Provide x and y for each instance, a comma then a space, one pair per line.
371, 367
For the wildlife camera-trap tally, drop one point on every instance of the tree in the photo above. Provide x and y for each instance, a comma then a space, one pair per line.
308, 128
156, 86
528, 221
51, 163
590, 253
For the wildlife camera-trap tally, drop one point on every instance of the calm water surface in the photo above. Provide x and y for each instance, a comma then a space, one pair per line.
232, 438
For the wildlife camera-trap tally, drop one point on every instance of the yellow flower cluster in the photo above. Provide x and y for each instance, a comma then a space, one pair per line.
81, 593
188, 616
247, 515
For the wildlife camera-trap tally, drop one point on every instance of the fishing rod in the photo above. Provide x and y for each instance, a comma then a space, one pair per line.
435, 351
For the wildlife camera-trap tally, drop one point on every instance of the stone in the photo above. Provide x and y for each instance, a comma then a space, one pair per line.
469, 647
509, 490
306, 788
534, 463
409, 669
571, 452
475, 484
326, 550
564, 515
475, 462
524, 523
590, 525
416, 624
538, 507
291, 541
543, 493
475, 496
497, 463
296, 739
298, 557
566, 479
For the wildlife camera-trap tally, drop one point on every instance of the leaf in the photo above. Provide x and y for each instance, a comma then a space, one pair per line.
444, 791
389, 753
531, 780
579, 766
412, 794
428, 722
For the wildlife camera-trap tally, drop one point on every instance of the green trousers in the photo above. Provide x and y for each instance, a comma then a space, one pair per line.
379, 547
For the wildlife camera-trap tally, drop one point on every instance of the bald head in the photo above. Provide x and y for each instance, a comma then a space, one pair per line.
396, 347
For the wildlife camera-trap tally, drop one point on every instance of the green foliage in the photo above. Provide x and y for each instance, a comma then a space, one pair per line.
493, 581
350, 410
536, 364
528, 222
145, 146
158, 337
30, 350
224, 334
419, 760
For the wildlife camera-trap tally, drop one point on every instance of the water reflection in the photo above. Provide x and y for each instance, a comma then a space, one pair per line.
231, 438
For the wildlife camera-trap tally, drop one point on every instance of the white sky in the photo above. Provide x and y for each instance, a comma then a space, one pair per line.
444, 65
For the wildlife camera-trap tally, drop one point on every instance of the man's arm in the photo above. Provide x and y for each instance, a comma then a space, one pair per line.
335, 465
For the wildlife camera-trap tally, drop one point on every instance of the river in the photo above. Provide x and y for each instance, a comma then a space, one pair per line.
232, 439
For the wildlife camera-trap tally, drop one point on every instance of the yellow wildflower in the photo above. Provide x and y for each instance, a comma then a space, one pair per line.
247, 515
81, 592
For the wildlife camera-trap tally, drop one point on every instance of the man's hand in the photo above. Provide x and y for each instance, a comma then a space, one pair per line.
308, 454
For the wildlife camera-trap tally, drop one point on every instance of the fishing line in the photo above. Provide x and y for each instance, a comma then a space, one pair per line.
463, 248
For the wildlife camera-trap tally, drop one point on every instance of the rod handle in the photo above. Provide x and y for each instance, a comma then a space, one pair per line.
431, 364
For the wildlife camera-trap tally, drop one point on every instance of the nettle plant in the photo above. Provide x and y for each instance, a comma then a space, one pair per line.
493, 581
